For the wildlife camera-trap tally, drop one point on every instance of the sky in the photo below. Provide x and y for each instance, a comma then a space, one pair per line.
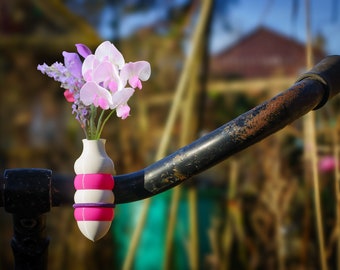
245, 15
278, 15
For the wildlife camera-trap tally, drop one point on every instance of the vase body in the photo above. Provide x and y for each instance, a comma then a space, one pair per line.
94, 198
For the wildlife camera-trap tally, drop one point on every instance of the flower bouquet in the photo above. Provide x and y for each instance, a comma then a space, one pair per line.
97, 87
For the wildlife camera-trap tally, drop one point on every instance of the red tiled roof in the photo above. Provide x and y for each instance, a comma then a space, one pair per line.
262, 53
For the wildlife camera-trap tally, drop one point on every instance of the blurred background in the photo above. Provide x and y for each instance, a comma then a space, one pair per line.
255, 210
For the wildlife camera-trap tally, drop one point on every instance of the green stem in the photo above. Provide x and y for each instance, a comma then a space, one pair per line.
99, 124
104, 122
92, 132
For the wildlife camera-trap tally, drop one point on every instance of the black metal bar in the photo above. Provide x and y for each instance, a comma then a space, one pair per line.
30, 242
27, 195
62, 191
1, 192
220, 144
312, 91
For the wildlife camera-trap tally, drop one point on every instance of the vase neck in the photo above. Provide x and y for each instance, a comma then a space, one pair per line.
94, 158
95, 147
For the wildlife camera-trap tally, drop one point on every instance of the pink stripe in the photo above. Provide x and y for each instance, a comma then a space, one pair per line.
93, 213
94, 181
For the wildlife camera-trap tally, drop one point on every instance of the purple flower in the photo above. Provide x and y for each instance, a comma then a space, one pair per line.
73, 64
102, 81
83, 50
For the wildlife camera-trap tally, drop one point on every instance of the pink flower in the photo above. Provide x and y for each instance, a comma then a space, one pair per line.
107, 75
108, 52
92, 93
105, 53
123, 111
69, 96
103, 80
136, 72
327, 164
83, 50
120, 99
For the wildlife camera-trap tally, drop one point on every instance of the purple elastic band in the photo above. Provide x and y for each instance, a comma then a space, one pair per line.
103, 205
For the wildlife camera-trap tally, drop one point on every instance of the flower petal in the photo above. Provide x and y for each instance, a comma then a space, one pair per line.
121, 97
107, 74
83, 50
123, 111
102, 72
88, 66
130, 71
69, 96
73, 63
108, 52
143, 70
102, 103
135, 82
93, 94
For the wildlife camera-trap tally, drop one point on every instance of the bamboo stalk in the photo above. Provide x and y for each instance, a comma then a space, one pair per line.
127, 265
279, 213
311, 149
194, 243
190, 124
171, 226
230, 227
161, 152
183, 80
336, 149
311, 144
187, 134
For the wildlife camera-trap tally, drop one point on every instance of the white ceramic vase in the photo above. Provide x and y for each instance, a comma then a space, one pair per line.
94, 198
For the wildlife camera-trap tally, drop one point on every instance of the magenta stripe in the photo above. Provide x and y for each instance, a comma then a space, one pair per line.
102, 181
93, 214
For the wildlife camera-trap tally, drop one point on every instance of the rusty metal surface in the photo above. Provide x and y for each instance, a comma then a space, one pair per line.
222, 143
311, 92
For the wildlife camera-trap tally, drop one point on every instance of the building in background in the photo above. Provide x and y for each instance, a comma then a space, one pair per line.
262, 53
